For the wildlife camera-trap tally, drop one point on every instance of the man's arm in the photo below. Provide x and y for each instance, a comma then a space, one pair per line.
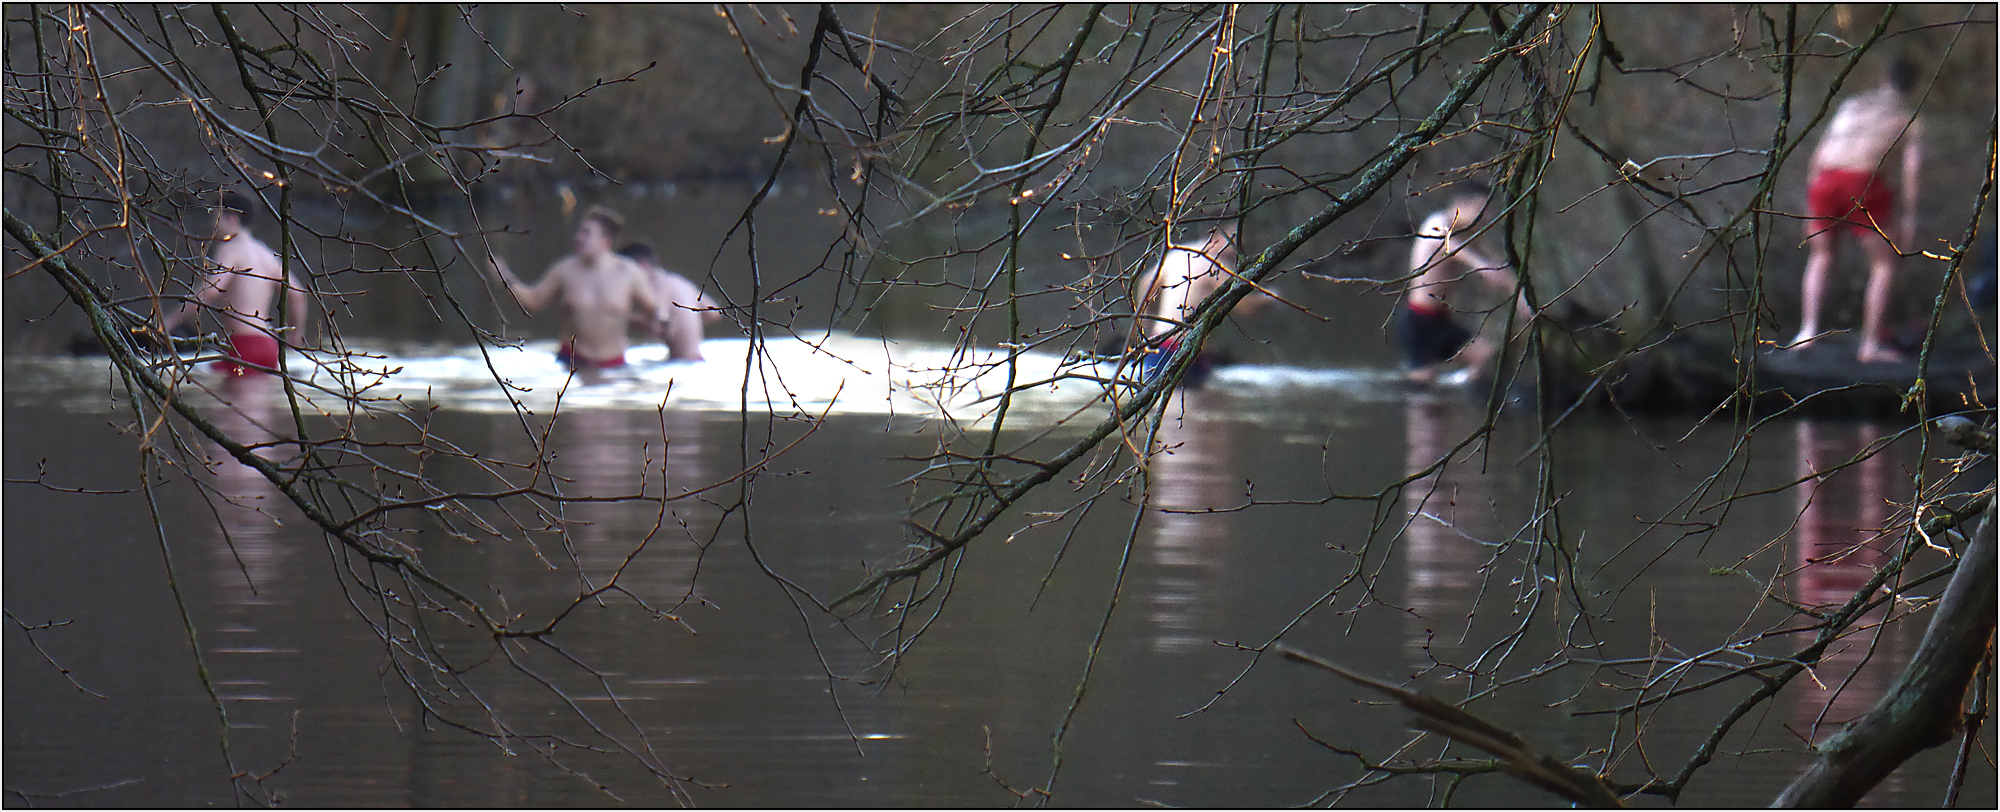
532, 297
1495, 275
645, 294
1144, 290
1459, 247
209, 291
1170, 286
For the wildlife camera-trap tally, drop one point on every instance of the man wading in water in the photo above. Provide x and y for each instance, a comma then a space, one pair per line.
684, 309
1439, 257
1847, 193
246, 278
598, 290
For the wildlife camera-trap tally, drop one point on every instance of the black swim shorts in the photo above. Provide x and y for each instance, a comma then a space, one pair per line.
1428, 337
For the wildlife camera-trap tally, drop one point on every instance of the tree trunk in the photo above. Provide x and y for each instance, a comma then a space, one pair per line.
1921, 710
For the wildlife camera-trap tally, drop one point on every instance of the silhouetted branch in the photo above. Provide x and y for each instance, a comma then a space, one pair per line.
1921, 709
1517, 757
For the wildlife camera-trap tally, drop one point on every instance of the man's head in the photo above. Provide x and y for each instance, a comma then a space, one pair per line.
1468, 202
232, 214
641, 253
596, 230
1902, 75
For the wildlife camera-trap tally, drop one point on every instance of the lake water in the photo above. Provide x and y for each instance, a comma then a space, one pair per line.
733, 689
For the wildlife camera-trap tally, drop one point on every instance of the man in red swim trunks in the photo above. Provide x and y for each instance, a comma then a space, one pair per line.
1848, 193
241, 289
598, 290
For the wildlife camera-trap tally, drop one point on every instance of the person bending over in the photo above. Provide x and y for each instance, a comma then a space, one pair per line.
598, 291
1440, 257
1847, 193
1172, 290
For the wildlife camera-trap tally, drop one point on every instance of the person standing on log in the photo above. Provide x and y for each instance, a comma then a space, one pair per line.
1440, 257
1848, 193
247, 278
598, 290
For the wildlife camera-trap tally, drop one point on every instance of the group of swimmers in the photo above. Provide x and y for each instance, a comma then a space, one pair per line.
604, 294
1846, 193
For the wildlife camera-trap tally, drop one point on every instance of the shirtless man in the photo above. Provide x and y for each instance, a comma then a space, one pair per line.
598, 291
240, 289
1439, 258
683, 307
1186, 275
1847, 193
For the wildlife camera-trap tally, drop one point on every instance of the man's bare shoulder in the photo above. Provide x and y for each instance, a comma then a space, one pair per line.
245, 253
1178, 262
1437, 226
569, 264
1881, 103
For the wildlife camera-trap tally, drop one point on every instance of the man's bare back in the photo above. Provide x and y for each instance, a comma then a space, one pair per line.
1440, 257
1863, 131
249, 275
683, 308
242, 290
1187, 274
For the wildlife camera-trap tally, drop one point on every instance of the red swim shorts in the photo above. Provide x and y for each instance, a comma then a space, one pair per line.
247, 352
1858, 201
567, 357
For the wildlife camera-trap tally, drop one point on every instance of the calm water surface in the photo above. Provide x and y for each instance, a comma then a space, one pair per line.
735, 692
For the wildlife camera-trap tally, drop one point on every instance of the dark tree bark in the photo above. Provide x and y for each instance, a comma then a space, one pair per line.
1921, 710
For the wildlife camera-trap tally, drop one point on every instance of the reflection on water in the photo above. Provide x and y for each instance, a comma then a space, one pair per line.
1838, 544
250, 643
740, 694
1192, 472
1445, 544
648, 546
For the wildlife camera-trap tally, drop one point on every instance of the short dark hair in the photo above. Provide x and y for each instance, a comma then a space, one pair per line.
641, 253
1903, 75
237, 203
611, 221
